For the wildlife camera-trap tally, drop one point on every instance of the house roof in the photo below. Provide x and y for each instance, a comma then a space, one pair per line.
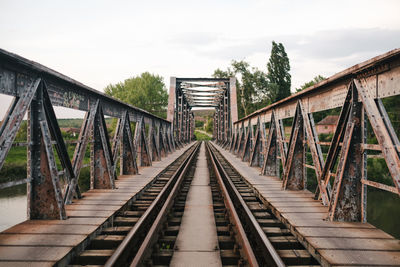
329, 120
70, 130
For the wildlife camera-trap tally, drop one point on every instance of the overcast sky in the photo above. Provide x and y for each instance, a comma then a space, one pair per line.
103, 42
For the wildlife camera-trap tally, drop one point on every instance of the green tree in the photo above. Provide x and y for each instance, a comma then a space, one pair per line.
22, 132
278, 72
209, 125
316, 80
146, 91
251, 86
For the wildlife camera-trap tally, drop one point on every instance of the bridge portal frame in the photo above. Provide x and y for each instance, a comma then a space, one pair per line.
182, 118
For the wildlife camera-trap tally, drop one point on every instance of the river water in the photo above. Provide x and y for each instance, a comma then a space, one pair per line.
13, 204
383, 209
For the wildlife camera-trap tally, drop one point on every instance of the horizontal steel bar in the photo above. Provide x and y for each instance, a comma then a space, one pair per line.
13, 183
202, 80
382, 73
385, 187
16, 73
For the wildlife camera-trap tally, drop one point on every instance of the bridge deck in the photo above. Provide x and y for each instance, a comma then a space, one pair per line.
44, 242
333, 243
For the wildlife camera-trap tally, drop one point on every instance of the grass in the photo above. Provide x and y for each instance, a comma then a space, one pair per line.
15, 166
201, 136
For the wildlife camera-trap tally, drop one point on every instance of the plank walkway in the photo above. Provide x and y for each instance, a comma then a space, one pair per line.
45, 242
332, 243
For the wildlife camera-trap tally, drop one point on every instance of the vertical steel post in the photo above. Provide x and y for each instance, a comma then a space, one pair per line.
44, 194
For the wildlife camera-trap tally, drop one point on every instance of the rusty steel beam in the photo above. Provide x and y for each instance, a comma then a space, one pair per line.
358, 91
383, 130
141, 144
219, 95
294, 176
17, 73
79, 153
37, 89
128, 151
248, 144
271, 150
101, 160
13, 119
44, 193
315, 149
256, 152
381, 73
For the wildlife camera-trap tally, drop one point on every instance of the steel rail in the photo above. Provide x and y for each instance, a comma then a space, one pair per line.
122, 253
152, 234
269, 253
242, 237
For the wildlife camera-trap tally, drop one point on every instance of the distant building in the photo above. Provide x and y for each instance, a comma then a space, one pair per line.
198, 118
71, 131
327, 125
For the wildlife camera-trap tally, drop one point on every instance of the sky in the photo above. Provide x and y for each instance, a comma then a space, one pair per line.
102, 42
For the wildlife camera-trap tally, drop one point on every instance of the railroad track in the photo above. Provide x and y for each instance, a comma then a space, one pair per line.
145, 232
118, 243
271, 243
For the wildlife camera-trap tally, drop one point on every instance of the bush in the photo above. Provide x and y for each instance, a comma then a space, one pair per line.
199, 124
13, 171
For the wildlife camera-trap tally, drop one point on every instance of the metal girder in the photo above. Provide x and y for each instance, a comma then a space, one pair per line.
271, 150
187, 93
248, 144
37, 89
345, 202
255, 155
381, 73
16, 73
44, 192
128, 150
383, 130
142, 144
315, 149
294, 176
358, 90
101, 159
240, 143
79, 154
153, 143
13, 118
234, 139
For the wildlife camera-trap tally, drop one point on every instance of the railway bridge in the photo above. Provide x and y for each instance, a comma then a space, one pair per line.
265, 192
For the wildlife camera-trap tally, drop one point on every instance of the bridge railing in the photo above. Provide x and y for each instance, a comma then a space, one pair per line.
36, 90
363, 130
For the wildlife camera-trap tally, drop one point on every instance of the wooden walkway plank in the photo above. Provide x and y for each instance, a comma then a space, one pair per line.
344, 232
45, 242
29, 254
57, 240
72, 221
355, 243
24, 264
51, 229
92, 207
360, 257
332, 243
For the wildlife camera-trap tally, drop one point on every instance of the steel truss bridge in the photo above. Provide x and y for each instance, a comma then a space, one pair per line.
253, 174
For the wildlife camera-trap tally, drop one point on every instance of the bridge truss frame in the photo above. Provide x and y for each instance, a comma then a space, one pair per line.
36, 90
341, 176
180, 107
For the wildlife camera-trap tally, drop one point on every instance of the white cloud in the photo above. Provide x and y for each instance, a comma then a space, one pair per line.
102, 42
